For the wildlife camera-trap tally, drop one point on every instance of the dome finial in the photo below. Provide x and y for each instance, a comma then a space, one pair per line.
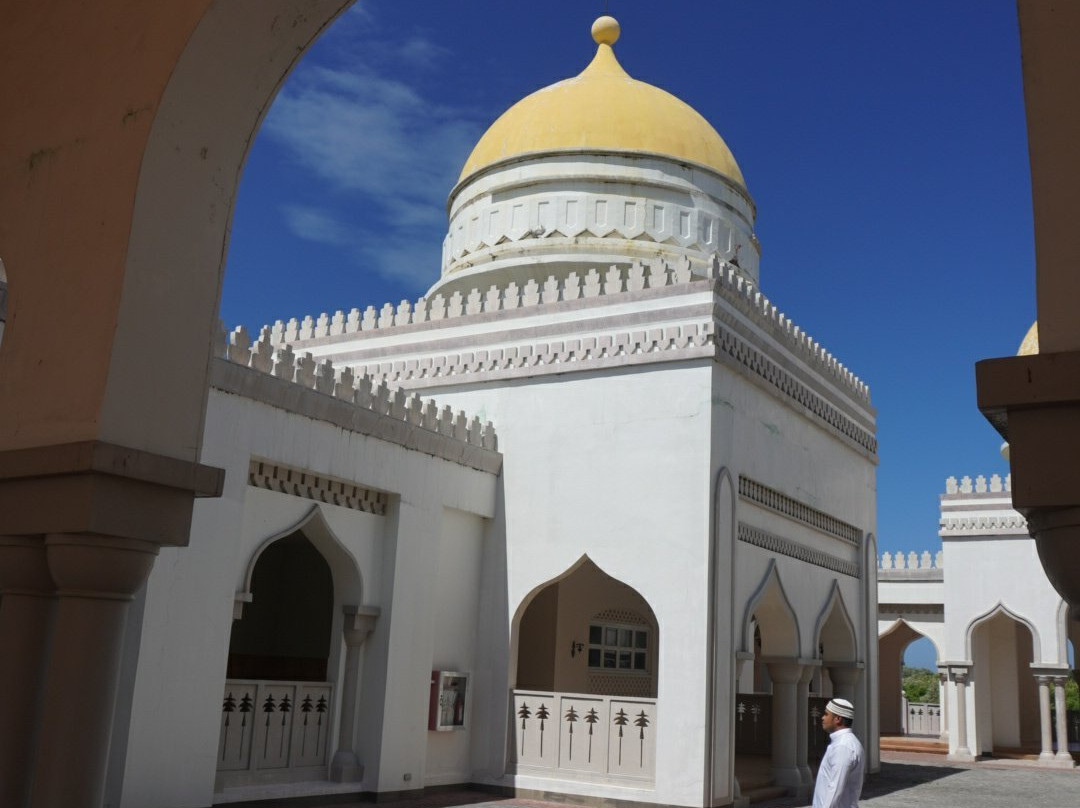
605, 31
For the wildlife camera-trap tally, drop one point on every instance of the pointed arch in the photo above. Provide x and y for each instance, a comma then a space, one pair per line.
834, 624
775, 615
903, 625
990, 614
1062, 624
348, 580
585, 631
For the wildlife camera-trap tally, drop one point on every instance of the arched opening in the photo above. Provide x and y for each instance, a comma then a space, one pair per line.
1005, 691
766, 716
839, 672
283, 689
917, 711
586, 684
285, 630
588, 633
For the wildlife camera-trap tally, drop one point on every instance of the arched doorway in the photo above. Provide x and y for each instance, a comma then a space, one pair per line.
766, 719
895, 718
586, 678
838, 674
285, 630
1005, 691
297, 613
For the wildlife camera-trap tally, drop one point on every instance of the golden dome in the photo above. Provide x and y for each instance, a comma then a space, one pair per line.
603, 109
1030, 345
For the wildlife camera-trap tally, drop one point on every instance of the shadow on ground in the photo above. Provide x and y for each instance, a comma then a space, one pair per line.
892, 777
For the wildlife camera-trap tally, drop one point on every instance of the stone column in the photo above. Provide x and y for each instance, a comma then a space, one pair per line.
802, 696
96, 577
962, 753
844, 679
1046, 753
1062, 757
943, 688
26, 611
359, 623
785, 676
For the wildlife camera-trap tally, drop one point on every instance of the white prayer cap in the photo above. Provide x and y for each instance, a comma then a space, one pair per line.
842, 708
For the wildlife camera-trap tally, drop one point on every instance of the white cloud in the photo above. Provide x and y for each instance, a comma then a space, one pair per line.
315, 225
375, 147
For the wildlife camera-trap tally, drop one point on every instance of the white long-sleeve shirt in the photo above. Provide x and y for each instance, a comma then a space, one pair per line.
840, 778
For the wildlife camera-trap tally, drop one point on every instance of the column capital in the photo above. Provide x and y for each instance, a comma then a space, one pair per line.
359, 623
24, 569
94, 566
785, 670
98, 487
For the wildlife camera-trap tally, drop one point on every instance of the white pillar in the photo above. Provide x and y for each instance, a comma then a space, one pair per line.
96, 577
26, 610
943, 689
359, 623
1063, 757
802, 737
962, 753
844, 679
785, 716
1046, 752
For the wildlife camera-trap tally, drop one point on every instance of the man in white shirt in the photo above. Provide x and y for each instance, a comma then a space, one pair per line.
840, 778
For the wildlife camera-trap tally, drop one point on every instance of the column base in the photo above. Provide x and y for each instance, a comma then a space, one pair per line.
346, 768
960, 756
1057, 761
789, 778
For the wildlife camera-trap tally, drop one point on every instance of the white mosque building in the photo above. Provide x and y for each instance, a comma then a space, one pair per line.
591, 518
1000, 631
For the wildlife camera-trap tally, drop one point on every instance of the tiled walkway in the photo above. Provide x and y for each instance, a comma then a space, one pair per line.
906, 780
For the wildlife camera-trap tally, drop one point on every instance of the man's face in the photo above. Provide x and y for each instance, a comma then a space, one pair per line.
831, 723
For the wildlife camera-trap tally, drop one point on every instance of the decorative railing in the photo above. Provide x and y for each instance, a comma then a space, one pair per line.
921, 718
753, 724
571, 735
274, 728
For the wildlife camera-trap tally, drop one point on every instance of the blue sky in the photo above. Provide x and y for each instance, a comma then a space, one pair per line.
883, 142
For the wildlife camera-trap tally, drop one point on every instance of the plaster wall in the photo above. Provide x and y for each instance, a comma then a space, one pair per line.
614, 465
171, 756
1005, 571
454, 642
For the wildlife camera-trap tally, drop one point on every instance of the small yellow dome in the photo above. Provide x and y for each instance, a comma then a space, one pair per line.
604, 109
1030, 345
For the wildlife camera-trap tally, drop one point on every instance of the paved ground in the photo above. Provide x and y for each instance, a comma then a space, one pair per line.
925, 781
905, 781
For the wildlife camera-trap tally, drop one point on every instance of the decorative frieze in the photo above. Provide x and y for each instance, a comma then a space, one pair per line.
318, 487
968, 523
781, 546
781, 503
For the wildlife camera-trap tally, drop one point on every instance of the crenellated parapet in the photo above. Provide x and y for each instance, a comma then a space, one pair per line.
343, 384
996, 484
597, 286
979, 507
911, 561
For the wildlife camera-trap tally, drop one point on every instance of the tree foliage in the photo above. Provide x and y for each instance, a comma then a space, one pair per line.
920, 685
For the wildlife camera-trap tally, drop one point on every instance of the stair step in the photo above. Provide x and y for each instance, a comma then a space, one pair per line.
764, 793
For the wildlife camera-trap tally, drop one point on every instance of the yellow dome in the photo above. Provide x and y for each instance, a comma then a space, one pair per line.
1030, 345
603, 109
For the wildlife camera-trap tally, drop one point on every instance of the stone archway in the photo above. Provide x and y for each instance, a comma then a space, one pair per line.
767, 722
892, 645
587, 632
114, 218
1002, 648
